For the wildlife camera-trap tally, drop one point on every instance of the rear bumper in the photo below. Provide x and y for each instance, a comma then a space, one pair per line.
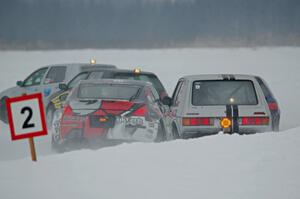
120, 131
213, 130
146, 133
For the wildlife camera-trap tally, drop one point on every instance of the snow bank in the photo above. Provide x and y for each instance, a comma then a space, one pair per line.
256, 166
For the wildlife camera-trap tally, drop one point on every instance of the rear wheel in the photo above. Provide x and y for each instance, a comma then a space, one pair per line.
56, 142
175, 133
275, 125
57, 147
161, 134
3, 111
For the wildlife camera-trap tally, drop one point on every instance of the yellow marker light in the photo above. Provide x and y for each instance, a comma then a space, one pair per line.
137, 71
93, 61
231, 100
225, 123
103, 119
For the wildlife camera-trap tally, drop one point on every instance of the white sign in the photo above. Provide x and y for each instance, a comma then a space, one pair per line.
26, 116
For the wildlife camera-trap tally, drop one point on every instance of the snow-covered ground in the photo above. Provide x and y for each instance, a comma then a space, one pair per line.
233, 167
256, 166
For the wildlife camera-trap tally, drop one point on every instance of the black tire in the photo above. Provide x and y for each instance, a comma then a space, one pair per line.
49, 116
275, 125
161, 134
3, 111
56, 147
175, 132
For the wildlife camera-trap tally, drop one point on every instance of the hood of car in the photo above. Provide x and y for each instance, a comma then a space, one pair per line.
12, 92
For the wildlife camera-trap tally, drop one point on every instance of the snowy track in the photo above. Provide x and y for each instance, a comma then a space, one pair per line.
256, 166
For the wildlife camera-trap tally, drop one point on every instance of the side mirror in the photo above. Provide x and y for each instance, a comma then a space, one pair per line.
167, 101
20, 83
63, 86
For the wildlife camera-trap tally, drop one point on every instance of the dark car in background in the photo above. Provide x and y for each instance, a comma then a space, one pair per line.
58, 99
60, 95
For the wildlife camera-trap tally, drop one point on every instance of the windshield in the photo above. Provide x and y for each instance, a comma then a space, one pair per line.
143, 77
108, 91
76, 79
220, 92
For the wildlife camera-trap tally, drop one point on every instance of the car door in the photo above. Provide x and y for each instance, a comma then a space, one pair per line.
45, 81
32, 84
165, 111
154, 108
50, 84
176, 103
175, 99
58, 99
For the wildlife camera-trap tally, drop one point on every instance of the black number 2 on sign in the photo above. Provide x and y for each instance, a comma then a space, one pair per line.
27, 123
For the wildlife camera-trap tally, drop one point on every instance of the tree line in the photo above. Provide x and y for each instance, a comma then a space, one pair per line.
60, 24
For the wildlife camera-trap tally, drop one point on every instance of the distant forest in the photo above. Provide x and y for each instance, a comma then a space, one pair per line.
68, 24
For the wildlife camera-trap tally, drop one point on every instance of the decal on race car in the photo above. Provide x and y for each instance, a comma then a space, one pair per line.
47, 92
59, 100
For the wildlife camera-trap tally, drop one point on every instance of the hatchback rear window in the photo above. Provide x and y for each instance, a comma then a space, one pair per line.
103, 91
220, 92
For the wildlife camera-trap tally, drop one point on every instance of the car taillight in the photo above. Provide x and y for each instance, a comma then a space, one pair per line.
197, 121
68, 110
68, 114
273, 106
141, 111
255, 121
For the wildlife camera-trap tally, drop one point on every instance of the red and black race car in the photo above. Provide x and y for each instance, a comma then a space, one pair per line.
111, 109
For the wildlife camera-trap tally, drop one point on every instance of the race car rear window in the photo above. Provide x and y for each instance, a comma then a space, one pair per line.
103, 91
220, 92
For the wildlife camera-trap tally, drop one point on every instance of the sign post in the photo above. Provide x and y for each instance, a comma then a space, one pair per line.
26, 117
32, 149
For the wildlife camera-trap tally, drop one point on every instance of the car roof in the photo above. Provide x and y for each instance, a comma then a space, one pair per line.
219, 77
123, 71
85, 66
116, 81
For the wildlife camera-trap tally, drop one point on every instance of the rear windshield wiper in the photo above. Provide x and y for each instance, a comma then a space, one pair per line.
89, 101
135, 95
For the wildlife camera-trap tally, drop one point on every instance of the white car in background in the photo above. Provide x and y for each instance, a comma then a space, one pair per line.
207, 104
45, 80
